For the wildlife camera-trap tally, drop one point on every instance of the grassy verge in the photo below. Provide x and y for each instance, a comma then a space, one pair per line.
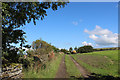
71, 68
103, 62
49, 72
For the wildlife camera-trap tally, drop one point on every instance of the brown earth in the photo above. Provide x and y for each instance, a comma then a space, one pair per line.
62, 73
83, 71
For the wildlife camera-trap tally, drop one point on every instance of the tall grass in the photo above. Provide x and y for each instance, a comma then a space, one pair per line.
48, 72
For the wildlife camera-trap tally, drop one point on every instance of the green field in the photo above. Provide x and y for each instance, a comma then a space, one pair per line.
102, 62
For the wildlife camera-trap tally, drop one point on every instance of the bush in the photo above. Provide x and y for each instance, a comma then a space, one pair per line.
81, 50
26, 62
64, 50
85, 49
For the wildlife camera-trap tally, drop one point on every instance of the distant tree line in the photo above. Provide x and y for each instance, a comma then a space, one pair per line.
104, 49
86, 49
83, 49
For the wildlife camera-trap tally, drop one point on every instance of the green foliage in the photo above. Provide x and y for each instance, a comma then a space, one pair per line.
41, 51
17, 14
85, 49
10, 57
75, 48
70, 49
64, 50
50, 70
56, 50
41, 47
28, 61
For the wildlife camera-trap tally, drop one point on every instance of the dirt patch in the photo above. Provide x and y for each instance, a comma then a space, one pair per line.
62, 73
83, 71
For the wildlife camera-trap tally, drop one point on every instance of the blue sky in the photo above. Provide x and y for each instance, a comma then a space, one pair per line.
77, 24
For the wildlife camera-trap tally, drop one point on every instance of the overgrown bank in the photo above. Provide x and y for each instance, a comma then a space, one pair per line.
48, 72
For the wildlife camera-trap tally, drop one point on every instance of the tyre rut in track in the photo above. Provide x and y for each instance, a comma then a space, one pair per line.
62, 73
83, 71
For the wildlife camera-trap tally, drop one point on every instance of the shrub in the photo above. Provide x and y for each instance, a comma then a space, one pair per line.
64, 50
85, 49
26, 62
70, 49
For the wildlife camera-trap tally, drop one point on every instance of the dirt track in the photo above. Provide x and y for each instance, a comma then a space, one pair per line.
62, 73
83, 71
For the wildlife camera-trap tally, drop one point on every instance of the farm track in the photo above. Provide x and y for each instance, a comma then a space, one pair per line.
83, 71
62, 73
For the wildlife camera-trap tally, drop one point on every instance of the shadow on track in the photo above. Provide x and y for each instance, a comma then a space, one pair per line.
94, 76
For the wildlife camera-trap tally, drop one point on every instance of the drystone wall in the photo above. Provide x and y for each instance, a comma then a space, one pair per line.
12, 71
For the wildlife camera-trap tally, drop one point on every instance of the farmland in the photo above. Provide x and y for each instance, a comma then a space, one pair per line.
102, 62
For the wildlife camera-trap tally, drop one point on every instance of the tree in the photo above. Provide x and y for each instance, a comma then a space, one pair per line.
17, 14
81, 50
70, 49
75, 48
55, 49
41, 47
64, 50
85, 49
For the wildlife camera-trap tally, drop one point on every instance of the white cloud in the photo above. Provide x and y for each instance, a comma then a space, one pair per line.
93, 37
59, 48
85, 43
75, 23
103, 37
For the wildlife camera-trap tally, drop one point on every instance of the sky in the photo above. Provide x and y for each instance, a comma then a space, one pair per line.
76, 25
